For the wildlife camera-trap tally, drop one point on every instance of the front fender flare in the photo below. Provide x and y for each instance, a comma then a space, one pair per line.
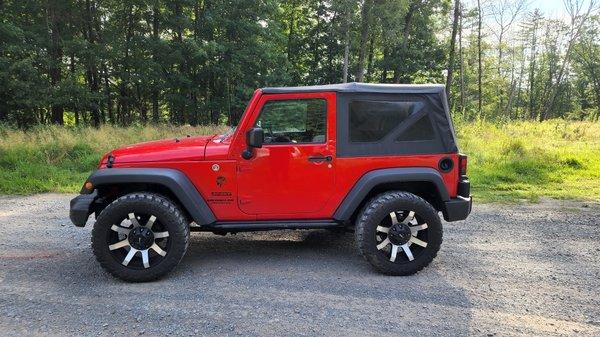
176, 181
392, 175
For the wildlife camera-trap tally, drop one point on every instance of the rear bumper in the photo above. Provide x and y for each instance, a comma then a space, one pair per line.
81, 208
458, 208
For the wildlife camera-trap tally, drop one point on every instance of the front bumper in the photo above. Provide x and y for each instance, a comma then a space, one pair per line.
458, 208
81, 208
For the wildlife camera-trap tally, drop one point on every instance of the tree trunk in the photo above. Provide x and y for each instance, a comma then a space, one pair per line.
369, 74
92, 68
155, 37
56, 53
109, 107
452, 47
462, 67
346, 53
364, 36
384, 71
414, 6
292, 24
533, 58
479, 61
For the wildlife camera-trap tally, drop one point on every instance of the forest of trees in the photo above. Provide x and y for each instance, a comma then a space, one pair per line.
124, 62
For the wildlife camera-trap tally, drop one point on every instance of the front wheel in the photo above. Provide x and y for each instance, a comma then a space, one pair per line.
399, 233
140, 237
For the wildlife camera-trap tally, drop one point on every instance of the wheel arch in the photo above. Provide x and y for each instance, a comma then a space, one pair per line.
114, 182
424, 182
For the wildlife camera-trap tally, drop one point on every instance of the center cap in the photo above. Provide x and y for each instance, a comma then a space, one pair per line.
399, 234
141, 238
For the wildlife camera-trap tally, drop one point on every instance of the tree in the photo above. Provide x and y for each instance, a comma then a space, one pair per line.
364, 36
578, 20
504, 13
479, 59
89, 62
452, 53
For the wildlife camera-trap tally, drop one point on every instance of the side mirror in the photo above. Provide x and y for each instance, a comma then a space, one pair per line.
254, 139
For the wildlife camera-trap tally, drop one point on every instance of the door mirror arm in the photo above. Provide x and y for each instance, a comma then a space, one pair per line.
254, 139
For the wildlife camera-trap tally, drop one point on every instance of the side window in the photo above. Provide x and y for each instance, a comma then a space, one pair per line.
371, 121
294, 121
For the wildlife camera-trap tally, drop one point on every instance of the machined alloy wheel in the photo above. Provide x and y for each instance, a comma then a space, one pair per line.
140, 237
149, 243
398, 232
401, 234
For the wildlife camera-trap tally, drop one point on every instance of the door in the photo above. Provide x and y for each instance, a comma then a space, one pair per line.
293, 173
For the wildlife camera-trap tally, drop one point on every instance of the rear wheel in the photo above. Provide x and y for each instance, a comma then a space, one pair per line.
399, 233
140, 237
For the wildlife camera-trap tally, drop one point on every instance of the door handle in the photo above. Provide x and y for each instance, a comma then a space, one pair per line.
318, 159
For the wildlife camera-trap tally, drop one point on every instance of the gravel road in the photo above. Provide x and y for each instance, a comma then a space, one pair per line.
508, 270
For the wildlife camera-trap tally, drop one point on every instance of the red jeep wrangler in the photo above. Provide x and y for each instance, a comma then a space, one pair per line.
379, 158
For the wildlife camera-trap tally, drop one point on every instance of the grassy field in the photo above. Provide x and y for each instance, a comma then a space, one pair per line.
508, 162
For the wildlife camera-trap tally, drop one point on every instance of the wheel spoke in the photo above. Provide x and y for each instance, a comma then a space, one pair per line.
418, 242
126, 223
409, 217
145, 258
129, 256
383, 244
150, 222
158, 250
134, 220
383, 229
394, 253
161, 235
408, 252
120, 230
415, 229
119, 244
394, 218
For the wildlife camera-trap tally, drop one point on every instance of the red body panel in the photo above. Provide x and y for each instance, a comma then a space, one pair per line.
278, 182
188, 148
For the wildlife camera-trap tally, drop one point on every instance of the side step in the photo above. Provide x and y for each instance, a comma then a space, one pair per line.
244, 226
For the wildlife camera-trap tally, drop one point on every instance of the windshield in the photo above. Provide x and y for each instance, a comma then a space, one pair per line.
227, 135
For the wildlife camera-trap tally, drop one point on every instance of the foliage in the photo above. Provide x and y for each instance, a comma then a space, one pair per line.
92, 62
125, 62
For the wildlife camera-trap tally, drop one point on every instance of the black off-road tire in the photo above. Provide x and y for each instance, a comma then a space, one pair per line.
166, 212
372, 215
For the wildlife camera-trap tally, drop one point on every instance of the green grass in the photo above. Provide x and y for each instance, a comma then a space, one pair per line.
56, 159
507, 162
530, 160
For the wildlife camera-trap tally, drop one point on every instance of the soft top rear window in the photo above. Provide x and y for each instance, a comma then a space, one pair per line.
371, 121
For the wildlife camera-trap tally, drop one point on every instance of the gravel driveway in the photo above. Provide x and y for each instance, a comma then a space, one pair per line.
508, 270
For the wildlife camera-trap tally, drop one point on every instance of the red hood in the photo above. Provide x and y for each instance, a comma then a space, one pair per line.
187, 148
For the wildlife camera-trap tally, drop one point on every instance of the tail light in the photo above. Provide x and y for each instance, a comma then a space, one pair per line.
462, 164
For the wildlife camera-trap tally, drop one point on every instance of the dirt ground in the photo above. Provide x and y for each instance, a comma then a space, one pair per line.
508, 270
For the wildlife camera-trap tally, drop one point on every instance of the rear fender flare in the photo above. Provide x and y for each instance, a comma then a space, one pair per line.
392, 175
176, 181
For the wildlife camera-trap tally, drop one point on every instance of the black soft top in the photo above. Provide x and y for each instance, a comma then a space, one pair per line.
355, 87
388, 119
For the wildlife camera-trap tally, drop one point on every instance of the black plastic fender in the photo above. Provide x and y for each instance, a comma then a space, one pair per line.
176, 181
392, 175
